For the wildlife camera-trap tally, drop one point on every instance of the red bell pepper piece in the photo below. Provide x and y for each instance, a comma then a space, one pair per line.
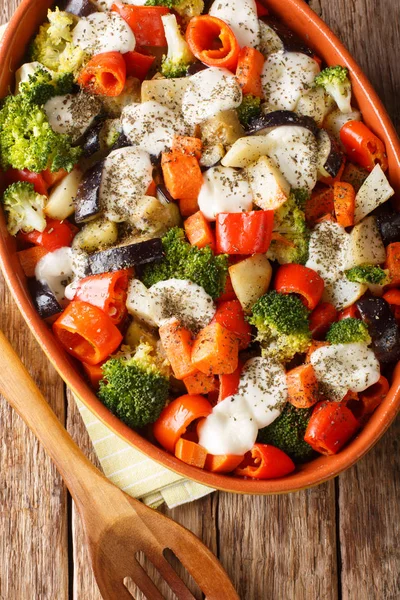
228, 293
331, 426
145, 22
249, 69
231, 316
297, 279
262, 11
107, 291
265, 462
198, 231
37, 179
351, 312
244, 233
86, 332
371, 398
138, 64
176, 418
56, 235
53, 178
229, 384
321, 319
104, 74
213, 42
362, 146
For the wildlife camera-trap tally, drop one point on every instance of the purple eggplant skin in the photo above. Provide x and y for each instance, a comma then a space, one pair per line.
291, 42
277, 118
44, 300
125, 257
164, 193
91, 142
80, 8
121, 142
382, 327
332, 156
87, 201
389, 226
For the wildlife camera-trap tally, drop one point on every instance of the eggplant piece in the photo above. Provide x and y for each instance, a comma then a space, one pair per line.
80, 8
44, 300
382, 327
91, 141
124, 257
330, 157
389, 226
266, 122
87, 201
163, 194
121, 142
291, 42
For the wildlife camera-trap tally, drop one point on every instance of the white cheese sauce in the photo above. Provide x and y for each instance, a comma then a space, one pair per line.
127, 174
72, 114
224, 190
151, 126
209, 92
103, 32
241, 16
285, 77
344, 367
55, 270
233, 425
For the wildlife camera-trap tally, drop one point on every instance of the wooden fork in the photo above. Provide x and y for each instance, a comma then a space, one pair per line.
116, 525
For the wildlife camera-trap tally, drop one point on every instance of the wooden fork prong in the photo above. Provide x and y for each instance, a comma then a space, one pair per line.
143, 582
110, 589
171, 577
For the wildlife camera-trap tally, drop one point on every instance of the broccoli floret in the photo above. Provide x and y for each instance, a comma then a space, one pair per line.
183, 261
185, 8
179, 56
27, 140
250, 108
367, 274
41, 86
135, 387
53, 45
24, 208
290, 223
287, 433
336, 82
282, 324
348, 331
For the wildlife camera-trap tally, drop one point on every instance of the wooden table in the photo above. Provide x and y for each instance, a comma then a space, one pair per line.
340, 540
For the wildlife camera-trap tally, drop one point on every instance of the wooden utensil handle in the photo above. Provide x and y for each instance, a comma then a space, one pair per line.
23, 395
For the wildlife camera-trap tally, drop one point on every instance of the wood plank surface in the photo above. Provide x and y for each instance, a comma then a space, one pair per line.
339, 540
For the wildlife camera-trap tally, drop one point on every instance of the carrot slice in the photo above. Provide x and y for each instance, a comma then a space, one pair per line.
187, 145
199, 383
188, 206
198, 231
320, 204
215, 350
248, 71
224, 463
344, 199
182, 174
393, 262
190, 453
29, 259
302, 386
177, 344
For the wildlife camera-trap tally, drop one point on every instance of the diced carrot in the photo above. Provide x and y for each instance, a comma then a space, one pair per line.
338, 177
29, 258
248, 71
199, 383
328, 217
344, 199
315, 344
302, 386
198, 231
152, 189
392, 297
188, 145
319, 204
182, 175
190, 453
224, 463
229, 384
94, 374
355, 175
188, 206
177, 344
215, 350
393, 262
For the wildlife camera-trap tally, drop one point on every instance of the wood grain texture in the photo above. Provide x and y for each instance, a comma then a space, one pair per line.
336, 541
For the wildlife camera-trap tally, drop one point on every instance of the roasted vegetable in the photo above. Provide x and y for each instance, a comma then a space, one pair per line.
336, 82
179, 56
348, 331
382, 328
24, 208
